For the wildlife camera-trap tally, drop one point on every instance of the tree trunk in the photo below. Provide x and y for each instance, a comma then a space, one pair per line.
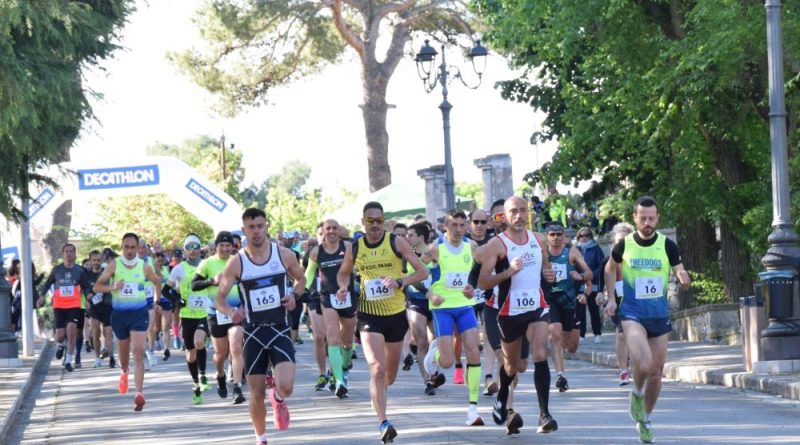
699, 248
54, 241
375, 109
735, 265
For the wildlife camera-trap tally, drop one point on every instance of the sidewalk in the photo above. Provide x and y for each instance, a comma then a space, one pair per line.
699, 363
15, 383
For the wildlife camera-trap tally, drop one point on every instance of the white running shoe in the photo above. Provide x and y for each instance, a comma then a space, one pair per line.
147, 361
473, 418
431, 365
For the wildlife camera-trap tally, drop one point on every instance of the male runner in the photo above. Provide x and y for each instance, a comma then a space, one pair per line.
70, 284
518, 259
153, 315
646, 258
100, 310
451, 303
562, 298
262, 269
163, 321
377, 257
314, 307
129, 316
224, 333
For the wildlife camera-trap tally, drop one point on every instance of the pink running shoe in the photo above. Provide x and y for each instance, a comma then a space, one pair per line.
458, 376
139, 401
280, 411
122, 385
270, 381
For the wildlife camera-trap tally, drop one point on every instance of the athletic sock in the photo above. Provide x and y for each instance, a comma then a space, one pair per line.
541, 379
347, 356
505, 384
193, 371
78, 347
335, 357
201, 360
68, 358
474, 381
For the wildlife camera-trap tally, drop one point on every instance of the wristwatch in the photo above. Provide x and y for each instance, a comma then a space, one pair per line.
400, 283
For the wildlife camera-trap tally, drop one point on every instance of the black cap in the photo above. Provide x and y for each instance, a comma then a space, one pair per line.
554, 227
224, 237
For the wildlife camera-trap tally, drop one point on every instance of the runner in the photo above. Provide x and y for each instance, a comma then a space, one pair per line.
144, 255
339, 316
517, 258
163, 322
377, 257
193, 312
70, 285
262, 271
562, 298
314, 310
451, 303
225, 335
100, 310
129, 316
645, 258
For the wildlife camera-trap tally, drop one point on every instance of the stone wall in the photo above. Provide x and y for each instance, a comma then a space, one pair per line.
710, 323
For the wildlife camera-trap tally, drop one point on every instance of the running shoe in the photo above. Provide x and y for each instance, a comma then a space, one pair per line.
167, 354
499, 412
458, 376
491, 388
561, 383
514, 422
431, 358
345, 377
429, 389
637, 408
147, 361
473, 418
122, 385
238, 397
546, 424
60, 351
408, 362
176, 344
98, 363
78, 362
151, 357
204, 383
322, 381
298, 340
104, 354
111, 362
68, 367
388, 433
645, 432
341, 392
222, 387
624, 378
270, 380
597, 339
138, 402
354, 355
87, 346
280, 411
438, 379
197, 395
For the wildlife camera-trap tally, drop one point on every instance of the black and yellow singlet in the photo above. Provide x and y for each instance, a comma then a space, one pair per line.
373, 263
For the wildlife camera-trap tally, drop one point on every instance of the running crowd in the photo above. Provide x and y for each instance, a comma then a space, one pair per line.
483, 292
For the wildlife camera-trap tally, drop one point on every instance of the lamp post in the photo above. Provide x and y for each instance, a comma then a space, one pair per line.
425, 60
781, 339
222, 158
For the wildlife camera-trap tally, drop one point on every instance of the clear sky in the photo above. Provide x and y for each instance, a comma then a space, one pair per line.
145, 100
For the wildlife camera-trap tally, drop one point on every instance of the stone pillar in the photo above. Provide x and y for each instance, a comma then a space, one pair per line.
435, 201
497, 179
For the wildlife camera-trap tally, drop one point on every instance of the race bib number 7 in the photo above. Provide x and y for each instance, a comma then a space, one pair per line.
265, 298
376, 290
649, 288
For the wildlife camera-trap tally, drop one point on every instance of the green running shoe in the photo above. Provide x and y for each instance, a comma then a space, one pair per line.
645, 432
322, 382
203, 383
197, 398
637, 408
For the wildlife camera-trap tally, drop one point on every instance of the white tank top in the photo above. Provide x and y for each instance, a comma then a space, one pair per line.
522, 293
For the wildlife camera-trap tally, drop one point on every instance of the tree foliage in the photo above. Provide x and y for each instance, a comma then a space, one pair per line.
666, 98
43, 47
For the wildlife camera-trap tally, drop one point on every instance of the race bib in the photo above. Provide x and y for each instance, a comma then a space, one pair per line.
649, 288
265, 298
618, 288
223, 319
560, 271
129, 290
197, 302
522, 301
375, 290
66, 291
148, 292
455, 280
338, 304
97, 298
480, 296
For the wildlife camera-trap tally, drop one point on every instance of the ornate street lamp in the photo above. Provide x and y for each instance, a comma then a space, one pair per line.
426, 59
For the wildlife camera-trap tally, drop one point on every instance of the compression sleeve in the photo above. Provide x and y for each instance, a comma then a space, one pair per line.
310, 271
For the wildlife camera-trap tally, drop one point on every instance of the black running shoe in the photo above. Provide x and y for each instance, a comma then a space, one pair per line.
499, 412
429, 389
546, 424
388, 433
87, 346
78, 362
408, 362
60, 351
238, 397
68, 367
104, 354
222, 387
167, 354
561, 383
354, 355
514, 422
341, 392
438, 379
111, 362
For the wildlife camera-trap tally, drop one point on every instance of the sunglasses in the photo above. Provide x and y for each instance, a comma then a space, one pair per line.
497, 217
480, 221
192, 246
378, 220
555, 234
584, 235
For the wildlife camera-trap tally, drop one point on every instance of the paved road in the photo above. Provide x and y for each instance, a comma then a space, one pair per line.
83, 407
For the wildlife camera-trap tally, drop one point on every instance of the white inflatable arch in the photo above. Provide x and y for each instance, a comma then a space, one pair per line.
108, 178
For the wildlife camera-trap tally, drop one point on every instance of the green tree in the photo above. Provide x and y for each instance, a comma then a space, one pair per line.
660, 97
257, 45
470, 191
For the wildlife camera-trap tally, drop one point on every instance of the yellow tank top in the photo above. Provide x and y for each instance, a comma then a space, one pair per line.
373, 263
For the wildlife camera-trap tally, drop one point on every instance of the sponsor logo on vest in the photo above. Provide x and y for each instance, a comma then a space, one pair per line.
119, 177
206, 195
645, 264
40, 201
